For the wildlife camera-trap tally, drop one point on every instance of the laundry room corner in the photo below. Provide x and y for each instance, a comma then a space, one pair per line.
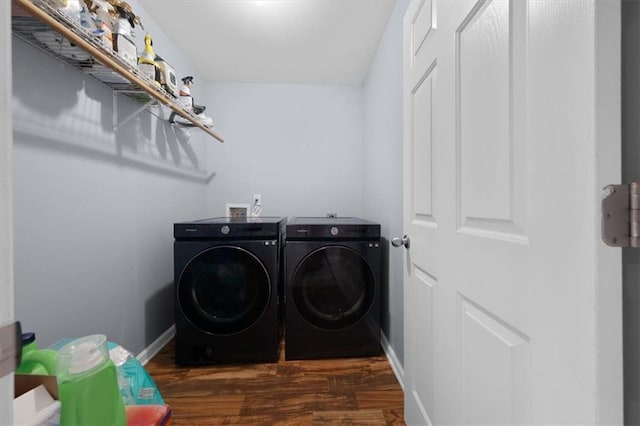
94, 206
382, 174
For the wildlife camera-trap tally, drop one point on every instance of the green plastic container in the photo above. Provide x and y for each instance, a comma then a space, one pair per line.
34, 360
88, 384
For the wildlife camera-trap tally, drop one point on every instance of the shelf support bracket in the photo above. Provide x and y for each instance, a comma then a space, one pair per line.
131, 116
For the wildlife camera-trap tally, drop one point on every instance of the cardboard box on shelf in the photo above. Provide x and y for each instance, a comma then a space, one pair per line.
36, 400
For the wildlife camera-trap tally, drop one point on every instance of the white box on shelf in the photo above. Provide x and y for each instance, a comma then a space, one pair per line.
186, 102
238, 210
36, 407
127, 50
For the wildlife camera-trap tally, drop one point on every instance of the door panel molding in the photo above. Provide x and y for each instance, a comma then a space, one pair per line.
494, 356
422, 113
423, 24
490, 107
422, 374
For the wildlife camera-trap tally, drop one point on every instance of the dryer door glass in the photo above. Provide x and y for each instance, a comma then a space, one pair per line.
333, 287
224, 290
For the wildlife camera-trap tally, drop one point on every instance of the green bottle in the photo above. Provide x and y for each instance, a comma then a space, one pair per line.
88, 384
34, 360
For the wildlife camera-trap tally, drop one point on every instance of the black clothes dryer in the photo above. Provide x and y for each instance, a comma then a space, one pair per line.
227, 274
332, 288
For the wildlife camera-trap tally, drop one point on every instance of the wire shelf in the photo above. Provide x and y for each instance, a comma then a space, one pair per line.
55, 33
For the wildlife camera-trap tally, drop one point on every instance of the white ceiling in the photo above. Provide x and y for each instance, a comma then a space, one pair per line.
283, 41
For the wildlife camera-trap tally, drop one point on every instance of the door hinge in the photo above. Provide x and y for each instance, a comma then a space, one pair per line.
621, 215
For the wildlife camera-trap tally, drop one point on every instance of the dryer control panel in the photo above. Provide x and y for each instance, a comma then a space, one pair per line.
349, 228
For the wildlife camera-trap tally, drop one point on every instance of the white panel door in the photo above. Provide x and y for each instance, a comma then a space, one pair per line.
511, 130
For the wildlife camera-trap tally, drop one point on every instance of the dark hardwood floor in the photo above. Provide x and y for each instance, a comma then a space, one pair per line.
350, 391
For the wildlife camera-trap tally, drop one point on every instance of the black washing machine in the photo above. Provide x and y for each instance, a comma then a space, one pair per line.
227, 274
332, 288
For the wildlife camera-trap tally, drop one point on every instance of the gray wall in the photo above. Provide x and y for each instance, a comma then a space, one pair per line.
382, 153
94, 208
631, 173
300, 146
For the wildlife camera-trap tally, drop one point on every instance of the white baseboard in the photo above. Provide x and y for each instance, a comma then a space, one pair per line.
155, 346
396, 366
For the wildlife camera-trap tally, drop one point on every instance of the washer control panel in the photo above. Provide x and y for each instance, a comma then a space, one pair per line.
259, 228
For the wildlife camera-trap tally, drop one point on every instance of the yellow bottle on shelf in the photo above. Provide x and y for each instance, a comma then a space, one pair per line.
146, 61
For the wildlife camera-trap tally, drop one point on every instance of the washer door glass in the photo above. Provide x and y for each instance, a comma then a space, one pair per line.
333, 287
224, 290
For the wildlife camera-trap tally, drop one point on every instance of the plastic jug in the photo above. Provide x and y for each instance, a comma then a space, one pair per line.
34, 360
88, 384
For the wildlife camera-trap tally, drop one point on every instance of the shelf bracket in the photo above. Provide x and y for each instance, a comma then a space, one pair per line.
131, 116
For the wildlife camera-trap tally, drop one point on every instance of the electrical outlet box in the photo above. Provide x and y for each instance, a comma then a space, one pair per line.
257, 199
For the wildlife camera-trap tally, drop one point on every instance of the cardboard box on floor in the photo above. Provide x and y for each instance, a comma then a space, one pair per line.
36, 400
